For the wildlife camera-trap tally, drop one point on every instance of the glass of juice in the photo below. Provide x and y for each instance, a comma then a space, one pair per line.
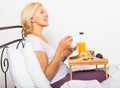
81, 47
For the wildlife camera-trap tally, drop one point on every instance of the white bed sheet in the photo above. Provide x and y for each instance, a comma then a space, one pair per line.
112, 82
82, 84
114, 77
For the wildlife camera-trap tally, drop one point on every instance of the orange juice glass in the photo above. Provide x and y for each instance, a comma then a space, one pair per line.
81, 47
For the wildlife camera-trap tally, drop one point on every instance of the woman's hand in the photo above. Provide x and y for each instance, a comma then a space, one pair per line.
68, 52
67, 47
65, 43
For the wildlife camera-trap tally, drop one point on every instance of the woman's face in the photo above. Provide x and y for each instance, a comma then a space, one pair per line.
41, 17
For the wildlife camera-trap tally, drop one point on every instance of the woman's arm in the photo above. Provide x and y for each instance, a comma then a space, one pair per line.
51, 68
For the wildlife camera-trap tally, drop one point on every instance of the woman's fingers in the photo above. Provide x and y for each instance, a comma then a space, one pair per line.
69, 40
66, 42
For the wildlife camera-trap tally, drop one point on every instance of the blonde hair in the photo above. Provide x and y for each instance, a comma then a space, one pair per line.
26, 15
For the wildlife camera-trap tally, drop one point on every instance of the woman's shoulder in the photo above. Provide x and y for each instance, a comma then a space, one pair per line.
31, 37
34, 41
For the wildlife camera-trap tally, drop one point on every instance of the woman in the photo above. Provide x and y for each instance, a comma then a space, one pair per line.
33, 19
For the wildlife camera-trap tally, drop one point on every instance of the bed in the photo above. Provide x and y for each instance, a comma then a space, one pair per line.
4, 63
6, 79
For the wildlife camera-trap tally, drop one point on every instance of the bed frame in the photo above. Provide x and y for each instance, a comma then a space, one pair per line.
4, 63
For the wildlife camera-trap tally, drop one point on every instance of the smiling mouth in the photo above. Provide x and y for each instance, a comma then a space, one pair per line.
46, 20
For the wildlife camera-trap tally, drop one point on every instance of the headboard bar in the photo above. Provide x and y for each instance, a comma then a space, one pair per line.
4, 65
11, 42
3, 60
10, 27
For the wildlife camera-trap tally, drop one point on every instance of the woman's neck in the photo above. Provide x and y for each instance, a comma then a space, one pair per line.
38, 33
37, 29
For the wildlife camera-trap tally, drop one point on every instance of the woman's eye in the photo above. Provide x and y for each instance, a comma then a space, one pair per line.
41, 11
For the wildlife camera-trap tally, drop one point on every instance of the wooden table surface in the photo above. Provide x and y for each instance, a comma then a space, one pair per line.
77, 61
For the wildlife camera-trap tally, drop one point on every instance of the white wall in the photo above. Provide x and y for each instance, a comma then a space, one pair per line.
99, 19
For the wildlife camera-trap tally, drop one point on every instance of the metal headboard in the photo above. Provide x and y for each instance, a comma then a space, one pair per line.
4, 61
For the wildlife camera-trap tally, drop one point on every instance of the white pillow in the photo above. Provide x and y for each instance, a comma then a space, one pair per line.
18, 70
34, 67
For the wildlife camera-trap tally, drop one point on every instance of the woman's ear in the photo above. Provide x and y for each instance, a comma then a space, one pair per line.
32, 20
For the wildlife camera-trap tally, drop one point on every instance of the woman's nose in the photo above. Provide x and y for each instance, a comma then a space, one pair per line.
46, 14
